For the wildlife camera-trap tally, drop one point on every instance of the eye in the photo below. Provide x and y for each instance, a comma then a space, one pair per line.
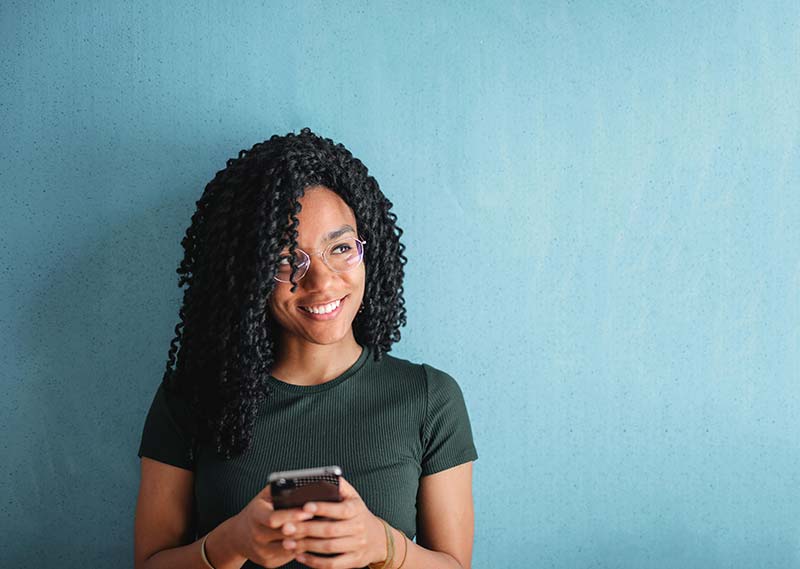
340, 248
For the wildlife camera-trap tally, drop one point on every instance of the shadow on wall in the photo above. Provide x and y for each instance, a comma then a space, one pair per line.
92, 345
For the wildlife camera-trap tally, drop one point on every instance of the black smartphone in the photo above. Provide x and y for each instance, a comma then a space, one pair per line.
293, 488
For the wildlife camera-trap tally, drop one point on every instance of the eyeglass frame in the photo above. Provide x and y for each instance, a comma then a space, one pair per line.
321, 253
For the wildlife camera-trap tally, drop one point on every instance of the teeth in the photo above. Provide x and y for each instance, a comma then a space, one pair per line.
324, 309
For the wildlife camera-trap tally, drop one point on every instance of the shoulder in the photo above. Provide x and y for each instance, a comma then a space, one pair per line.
439, 380
394, 362
447, 433
400, 370
430, 380
176, 400
173, 407
444, 392
169, 430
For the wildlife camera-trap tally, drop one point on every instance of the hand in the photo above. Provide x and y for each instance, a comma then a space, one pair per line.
355, 532
257, 530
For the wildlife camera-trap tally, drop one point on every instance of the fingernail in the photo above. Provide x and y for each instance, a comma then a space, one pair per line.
288, 527
289, 544
310, 507
302, 516
301, 558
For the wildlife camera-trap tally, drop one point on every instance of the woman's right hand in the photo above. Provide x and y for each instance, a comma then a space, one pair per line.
257, 530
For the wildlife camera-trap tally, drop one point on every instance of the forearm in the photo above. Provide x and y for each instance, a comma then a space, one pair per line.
218, 550
419, 557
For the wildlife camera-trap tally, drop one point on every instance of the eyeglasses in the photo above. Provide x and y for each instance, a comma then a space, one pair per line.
340, 256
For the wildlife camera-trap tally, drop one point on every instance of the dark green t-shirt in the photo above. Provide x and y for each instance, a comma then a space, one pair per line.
385, 423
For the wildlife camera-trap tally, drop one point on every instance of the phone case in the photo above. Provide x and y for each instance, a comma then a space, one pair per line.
293, 488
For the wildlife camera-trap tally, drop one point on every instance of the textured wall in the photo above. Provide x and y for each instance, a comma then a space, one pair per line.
602, 217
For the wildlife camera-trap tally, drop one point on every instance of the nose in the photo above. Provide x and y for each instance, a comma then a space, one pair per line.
318, 277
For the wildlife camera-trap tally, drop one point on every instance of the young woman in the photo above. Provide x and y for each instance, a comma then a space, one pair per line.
293, 269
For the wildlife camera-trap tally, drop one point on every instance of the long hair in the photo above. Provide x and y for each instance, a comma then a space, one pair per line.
224, 344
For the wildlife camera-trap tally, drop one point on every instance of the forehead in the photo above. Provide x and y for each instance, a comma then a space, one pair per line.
323, 216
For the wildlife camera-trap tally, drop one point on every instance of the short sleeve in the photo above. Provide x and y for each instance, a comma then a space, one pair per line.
165, 437
447, 433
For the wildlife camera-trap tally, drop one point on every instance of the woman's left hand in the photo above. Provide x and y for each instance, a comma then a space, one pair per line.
355, 532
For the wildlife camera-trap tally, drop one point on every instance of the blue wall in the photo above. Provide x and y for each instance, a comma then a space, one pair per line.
600, 203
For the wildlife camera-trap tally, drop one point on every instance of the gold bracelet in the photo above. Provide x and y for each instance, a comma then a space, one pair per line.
405, 550
203, 551
389, 549
389, 545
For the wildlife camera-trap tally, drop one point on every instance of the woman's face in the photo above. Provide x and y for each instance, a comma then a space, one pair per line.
323, 212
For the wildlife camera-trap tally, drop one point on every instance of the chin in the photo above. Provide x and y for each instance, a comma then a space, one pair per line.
322, 341
326, 337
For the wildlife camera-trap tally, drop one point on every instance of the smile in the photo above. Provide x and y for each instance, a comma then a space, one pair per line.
324, 311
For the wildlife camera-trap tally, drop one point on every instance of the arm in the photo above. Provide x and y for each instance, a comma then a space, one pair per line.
445, 515
161, 528
445, 522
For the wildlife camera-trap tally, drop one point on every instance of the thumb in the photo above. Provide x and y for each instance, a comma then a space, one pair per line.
266, 493
346, 489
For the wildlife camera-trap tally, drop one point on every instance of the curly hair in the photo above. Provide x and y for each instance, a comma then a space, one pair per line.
224, 344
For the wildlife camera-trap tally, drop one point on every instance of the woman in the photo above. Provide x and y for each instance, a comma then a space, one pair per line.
294, 271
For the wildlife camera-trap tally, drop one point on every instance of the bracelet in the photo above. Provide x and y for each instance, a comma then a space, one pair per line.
389, 545
203, 552
389, 549
405, 550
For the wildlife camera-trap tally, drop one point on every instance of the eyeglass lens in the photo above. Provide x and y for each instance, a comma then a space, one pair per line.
340, 256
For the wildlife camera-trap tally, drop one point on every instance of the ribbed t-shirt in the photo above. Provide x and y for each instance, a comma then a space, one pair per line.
386, 424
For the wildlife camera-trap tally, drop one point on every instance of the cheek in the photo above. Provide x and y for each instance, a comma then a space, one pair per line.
357, 280
358, 285
273, 305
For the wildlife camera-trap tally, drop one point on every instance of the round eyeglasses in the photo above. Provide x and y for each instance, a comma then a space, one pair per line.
340, 256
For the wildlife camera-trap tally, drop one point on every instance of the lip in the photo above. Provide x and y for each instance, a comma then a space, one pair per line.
330, 315
324, 302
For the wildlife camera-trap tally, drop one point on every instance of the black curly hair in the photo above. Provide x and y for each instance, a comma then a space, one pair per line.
224, 344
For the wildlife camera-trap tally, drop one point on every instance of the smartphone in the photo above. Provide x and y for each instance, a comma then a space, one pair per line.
293, 488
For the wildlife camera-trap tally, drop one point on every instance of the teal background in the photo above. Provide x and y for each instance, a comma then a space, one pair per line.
601, 209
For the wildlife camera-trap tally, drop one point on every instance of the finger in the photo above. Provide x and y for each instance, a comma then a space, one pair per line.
266, 493
279, 517
340, 562
337, 510
346, 489
321, 529
272, 553
338, 545
260, 511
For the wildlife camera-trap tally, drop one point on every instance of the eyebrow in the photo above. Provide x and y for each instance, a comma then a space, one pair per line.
334, 234
339, 232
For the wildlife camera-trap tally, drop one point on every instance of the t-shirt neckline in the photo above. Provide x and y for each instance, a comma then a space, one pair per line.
302, 389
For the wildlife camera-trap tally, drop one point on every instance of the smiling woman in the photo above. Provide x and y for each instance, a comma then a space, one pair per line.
316, 324
293, 270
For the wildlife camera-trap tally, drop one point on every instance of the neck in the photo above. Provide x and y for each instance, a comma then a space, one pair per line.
302, 363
